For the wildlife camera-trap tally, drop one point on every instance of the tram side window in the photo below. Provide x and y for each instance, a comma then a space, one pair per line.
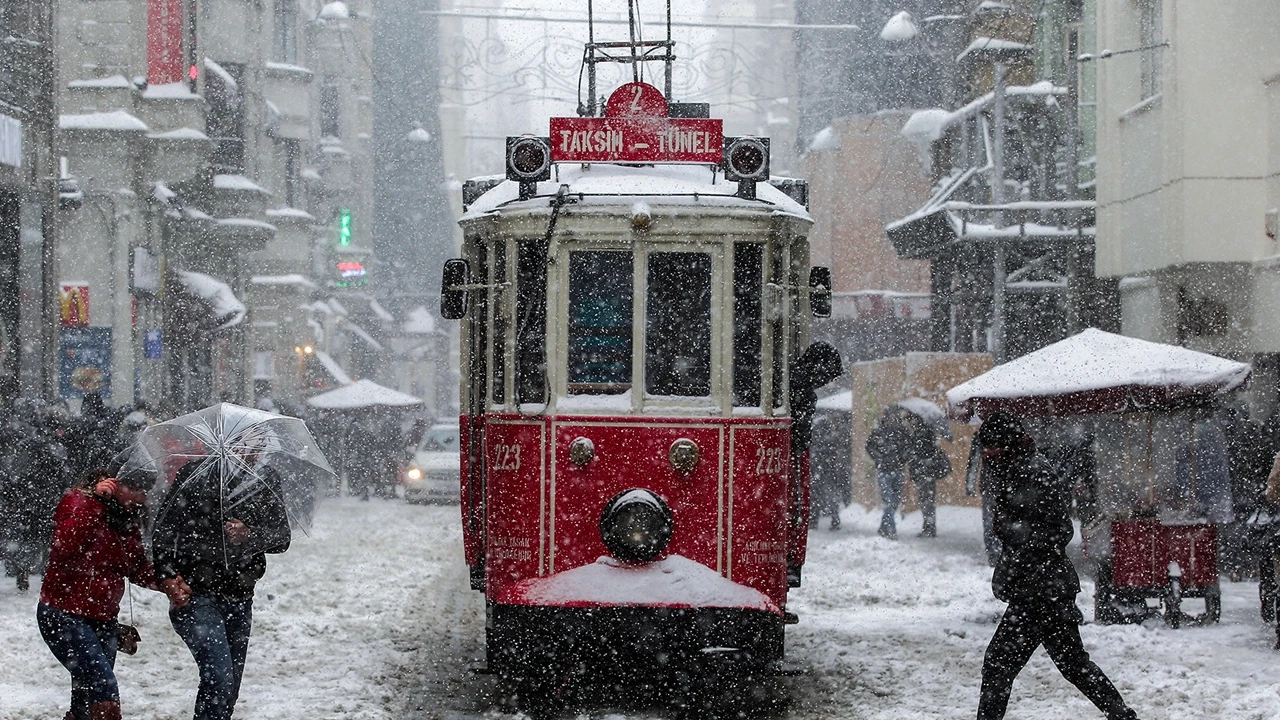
499, 323
677, 351
600, 301
748, 281
531, 321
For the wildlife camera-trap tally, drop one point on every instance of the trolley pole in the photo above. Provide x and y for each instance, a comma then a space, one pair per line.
997, 196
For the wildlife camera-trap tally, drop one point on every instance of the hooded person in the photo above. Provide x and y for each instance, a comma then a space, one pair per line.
97, 545
1031, 509
215, 532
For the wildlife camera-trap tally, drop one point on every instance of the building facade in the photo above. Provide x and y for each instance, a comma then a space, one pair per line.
1188, 118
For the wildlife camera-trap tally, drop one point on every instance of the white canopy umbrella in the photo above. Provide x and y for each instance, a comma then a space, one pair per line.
362, 394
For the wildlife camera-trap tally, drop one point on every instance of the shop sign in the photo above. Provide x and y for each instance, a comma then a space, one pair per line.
85, 362
73, 302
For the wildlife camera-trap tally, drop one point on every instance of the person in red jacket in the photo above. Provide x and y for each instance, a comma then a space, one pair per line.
97, 544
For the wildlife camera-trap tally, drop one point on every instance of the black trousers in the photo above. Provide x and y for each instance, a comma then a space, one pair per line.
1025, 626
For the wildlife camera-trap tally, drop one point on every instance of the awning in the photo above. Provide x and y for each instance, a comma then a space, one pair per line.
362, 394
225, 307
1097, 372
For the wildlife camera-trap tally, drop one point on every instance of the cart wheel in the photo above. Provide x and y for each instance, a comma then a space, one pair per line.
1104, 608
1173, 604
1212, 604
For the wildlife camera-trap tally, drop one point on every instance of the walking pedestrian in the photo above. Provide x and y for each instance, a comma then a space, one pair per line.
97, 544
827, 475
215, 532
927, 463
888, 445
1272, 498
1031, 513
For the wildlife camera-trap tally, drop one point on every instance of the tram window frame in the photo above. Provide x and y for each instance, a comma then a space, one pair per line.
499, 323
576, 386
675, 319
478, 346
532, 264
781, 294
748, 324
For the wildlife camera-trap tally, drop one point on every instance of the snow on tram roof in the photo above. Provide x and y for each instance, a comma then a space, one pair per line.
677, 184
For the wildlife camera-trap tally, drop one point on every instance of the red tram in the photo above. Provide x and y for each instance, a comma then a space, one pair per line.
634, 294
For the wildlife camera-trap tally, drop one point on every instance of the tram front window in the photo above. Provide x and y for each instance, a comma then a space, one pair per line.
600, 298
677, 352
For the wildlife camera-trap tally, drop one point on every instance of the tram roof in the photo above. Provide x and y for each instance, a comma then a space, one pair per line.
605, 184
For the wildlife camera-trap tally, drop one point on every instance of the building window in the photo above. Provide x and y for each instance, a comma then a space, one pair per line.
330, 110
225, 122
292, 167
286, 30
1150, 40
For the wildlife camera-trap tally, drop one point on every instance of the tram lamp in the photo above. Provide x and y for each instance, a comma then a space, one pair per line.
453, 289
746, 162
636, 526
820, 291
528, 162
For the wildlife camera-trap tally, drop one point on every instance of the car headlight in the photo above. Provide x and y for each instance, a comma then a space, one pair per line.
414, 474
636, 525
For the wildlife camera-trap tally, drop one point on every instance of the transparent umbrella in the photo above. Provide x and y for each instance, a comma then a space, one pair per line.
234, 443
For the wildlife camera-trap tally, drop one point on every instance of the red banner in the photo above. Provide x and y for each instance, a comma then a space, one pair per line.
164, 42
636, 129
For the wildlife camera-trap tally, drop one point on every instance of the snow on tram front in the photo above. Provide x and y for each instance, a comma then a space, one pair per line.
635, 299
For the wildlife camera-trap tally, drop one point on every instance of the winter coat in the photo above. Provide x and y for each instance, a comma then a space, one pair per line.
927, 461
889, 445
1273, 484
189, 537
95, 547
1030, 510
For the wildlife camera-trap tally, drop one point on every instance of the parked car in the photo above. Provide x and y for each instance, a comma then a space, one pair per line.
432, 473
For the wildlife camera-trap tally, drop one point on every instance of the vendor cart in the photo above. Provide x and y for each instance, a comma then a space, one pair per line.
1161, 483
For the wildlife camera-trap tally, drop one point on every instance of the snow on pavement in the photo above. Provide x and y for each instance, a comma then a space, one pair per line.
370, 617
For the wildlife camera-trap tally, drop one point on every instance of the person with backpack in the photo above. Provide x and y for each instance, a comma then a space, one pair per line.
927, 463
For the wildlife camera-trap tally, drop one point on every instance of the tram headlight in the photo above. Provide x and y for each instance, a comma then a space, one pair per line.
528, 159
746, 158
636, 525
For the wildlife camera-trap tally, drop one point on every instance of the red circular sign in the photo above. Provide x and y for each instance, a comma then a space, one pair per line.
636, 99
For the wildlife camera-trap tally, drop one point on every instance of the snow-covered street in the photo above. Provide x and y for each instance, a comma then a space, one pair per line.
370, 617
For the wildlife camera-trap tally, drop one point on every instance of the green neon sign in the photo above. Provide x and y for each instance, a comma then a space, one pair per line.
344, 227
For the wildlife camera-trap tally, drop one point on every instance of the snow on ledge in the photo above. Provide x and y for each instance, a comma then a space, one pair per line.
287, 69
112, 81
336, 10
986, 44
900, 28
116, 120
237, 182
185, 133
294, 279
291, 213
673, 582
169, 91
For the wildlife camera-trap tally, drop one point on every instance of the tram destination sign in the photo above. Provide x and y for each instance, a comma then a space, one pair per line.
636, 128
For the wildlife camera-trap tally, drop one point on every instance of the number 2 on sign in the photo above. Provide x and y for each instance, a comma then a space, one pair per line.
769, 461
506, 457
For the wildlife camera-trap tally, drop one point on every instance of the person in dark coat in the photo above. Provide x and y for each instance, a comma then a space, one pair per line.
217, 540
1031, 508
818, 365
889, 446
927, 464
97, 545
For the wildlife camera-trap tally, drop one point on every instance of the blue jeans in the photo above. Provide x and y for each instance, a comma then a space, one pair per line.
87, 649
217, 633
890, 483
